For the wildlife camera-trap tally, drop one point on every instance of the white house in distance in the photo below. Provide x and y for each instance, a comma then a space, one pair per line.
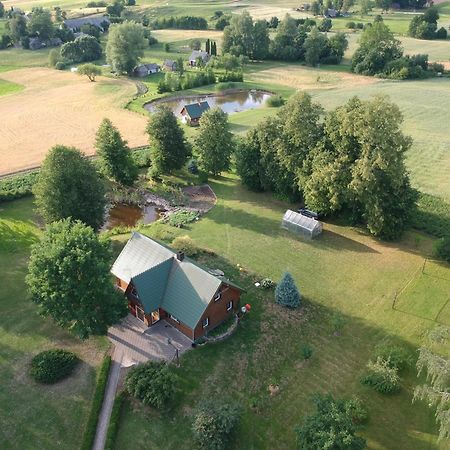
198, 54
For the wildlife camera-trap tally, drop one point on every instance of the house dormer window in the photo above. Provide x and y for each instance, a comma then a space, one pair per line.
205, 322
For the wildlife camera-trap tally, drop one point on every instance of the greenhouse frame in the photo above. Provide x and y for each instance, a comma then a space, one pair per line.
301, 225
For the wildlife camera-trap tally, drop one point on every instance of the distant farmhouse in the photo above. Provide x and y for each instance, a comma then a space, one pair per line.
170, 65
191, 113
161, 284
198, 54
144, 70
75, 25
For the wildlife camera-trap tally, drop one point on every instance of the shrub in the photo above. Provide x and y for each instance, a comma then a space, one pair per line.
442, 249
337, 322
356, 411
141, 157
186, 245
60, 65
360, 26
231, 77
214, 423
152, 41
351, 25
382, 377
267, 283
193, 166
432, 215
286, 292
306, 351
152, 383
181, 218
114, 421
96, 405
51, 366
397, 357
441, 33
275, 101
17, 186
202, 177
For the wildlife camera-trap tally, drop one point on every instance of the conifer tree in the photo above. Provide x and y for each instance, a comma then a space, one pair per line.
286, 292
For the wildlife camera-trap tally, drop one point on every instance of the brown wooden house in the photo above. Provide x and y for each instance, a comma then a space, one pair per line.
161, 284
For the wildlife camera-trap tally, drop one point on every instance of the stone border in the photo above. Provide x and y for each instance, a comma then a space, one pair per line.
228, 333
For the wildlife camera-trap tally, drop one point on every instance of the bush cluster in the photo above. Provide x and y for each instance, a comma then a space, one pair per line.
51, 366
442, 248
183, 22
17, 186
186, 245
237, 76
275, 101
174, 82
181, 218
214, 423
152, 383
96, 405
432, 215
382, 377
267, 283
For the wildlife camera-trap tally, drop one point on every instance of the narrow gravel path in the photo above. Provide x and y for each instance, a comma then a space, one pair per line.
108, 401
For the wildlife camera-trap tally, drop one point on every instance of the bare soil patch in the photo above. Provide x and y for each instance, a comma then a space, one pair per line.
61, 108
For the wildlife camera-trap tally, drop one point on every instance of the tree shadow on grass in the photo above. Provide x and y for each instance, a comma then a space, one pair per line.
14, 235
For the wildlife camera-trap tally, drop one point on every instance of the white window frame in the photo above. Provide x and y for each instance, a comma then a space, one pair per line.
218, 296
174, 318
230, 305
205, 322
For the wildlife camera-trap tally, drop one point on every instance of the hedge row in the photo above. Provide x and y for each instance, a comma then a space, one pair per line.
432, 216
21, 185
17, 186
96, 405
114, 421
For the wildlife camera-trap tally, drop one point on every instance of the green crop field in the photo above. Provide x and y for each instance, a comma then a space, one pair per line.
344, 270
35, 416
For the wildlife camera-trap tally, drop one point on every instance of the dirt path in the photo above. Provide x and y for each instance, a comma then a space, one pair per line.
108, 401
59, 107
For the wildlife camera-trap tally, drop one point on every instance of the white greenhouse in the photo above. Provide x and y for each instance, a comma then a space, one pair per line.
304, 226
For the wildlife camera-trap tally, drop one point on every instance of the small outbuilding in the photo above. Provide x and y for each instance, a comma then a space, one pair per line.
304, 226
144, 70
195, 55
170, 65
192, 113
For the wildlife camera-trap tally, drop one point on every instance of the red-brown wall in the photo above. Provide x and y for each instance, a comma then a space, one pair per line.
217, 310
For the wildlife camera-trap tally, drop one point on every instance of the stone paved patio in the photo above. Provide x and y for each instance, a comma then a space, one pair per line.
137, 343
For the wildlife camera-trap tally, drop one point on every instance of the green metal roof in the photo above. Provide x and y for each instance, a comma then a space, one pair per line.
182, 288
195, 110
151, 285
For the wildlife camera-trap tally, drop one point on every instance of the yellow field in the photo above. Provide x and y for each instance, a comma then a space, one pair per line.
61, 108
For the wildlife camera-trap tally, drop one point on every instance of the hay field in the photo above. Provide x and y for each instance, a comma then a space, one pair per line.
61, 108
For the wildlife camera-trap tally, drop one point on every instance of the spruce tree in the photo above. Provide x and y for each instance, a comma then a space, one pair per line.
115, 158
208, 46
168, 148
286, 292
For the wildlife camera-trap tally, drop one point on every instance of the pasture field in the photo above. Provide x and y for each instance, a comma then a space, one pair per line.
35, 416
344, 270
61, 108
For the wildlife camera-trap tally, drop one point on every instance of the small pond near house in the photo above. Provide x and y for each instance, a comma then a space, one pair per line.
125, 215
232, 101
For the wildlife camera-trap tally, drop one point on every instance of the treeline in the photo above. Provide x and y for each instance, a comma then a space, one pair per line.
183, 22
425, 26
352, 160
296, 40
381, 54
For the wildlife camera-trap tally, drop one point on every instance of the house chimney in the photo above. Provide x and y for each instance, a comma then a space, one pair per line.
180, 256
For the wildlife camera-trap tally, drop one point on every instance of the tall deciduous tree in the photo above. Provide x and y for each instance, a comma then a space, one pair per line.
436, 391
214, 144
115, 158
125, 46
41, 23
286, 292
17, 27
69, 186
168, 148
315, 46
69, 279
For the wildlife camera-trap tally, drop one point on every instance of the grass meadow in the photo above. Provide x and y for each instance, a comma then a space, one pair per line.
344, 270
7, 87
35, 416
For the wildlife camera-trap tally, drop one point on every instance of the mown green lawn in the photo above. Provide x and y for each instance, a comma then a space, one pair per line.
7, 87
344, 270
35, 416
